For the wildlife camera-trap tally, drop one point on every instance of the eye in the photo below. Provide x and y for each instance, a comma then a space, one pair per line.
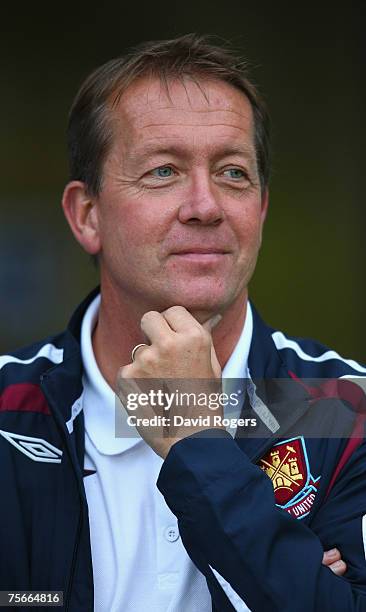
235, 173
163, 172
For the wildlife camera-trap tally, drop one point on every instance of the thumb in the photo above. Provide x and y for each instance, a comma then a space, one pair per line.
212, 322
215, 363
208, 326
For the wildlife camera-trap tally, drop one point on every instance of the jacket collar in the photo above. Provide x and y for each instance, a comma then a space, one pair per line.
285, 398
63, 380
264, 358
62, 386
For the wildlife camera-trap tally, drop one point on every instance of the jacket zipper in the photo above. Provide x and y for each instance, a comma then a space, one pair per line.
60, 428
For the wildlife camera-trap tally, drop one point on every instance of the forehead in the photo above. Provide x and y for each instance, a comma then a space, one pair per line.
209, 109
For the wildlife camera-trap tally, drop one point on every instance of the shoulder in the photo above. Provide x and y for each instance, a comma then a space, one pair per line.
308, 358
22, 369
27, 364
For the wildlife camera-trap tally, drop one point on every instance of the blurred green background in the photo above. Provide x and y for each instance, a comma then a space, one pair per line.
307, 61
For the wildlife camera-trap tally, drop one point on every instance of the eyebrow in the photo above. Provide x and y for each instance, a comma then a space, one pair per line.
241, 150
177, 151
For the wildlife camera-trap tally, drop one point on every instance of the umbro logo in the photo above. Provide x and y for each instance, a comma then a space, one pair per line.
36, 449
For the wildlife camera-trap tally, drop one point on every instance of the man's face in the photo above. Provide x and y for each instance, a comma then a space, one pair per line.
180, 211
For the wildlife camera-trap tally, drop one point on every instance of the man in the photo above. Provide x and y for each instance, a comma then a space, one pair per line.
169, 156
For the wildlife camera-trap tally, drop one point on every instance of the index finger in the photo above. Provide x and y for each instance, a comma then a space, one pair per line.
179, 319
154, 326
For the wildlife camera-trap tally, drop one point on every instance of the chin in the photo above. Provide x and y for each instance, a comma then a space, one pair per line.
203, 315
202, 308
202, 299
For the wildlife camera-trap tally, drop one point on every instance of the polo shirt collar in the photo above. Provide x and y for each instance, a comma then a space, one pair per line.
100, 401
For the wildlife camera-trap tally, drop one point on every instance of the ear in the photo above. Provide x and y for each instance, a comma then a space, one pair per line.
81, 213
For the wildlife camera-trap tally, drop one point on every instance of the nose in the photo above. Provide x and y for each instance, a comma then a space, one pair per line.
201, 205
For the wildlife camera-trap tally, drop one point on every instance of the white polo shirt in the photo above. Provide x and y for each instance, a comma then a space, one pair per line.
139, 562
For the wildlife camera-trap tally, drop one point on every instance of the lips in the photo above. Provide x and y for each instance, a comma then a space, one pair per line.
201, 251
201, 255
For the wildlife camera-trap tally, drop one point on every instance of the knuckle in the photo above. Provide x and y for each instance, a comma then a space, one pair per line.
147, 316
147, 358
196, 334
176, 309
338, 567
166, 346
200, 337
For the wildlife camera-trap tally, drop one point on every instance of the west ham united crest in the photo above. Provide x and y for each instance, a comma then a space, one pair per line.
287, 465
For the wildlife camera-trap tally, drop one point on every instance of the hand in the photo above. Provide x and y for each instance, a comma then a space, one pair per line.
180, 348
332, 559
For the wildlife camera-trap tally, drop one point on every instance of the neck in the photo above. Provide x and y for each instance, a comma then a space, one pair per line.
118, 331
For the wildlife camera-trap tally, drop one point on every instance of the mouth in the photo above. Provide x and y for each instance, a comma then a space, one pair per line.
201, 255
201, 251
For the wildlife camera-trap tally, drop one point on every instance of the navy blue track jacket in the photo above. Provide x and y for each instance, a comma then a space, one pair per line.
255, 513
